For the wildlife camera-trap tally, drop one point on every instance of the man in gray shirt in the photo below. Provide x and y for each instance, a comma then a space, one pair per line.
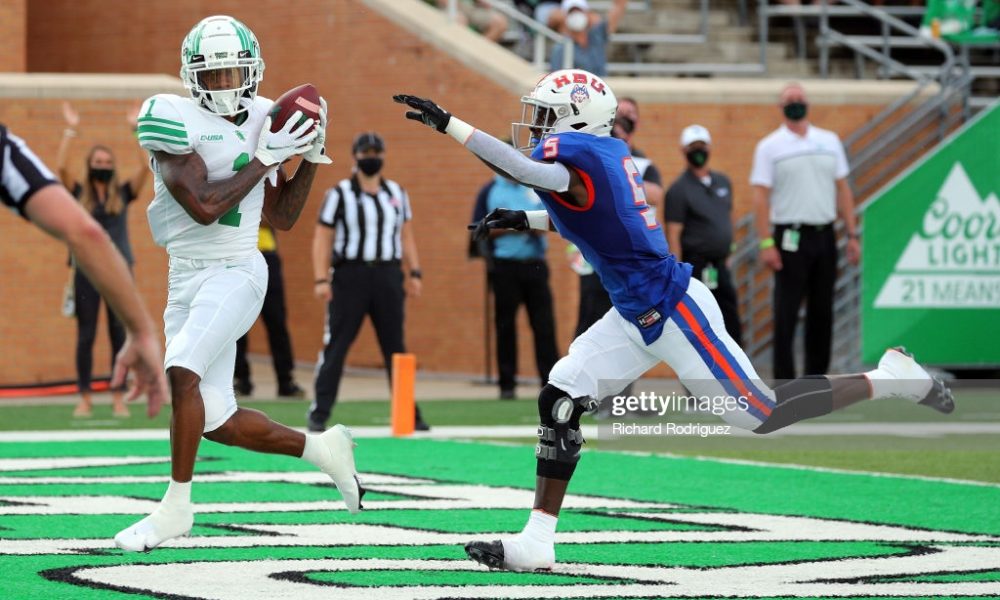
697, 212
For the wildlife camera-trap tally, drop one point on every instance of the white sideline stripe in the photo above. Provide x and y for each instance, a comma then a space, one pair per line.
450, 432
473, 432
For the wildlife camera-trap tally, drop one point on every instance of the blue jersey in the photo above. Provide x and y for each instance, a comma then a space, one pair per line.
616, 231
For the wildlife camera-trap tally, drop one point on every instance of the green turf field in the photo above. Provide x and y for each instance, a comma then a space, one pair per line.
669, 517
636, 526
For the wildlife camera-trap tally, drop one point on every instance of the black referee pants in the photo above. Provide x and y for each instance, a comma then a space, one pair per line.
594, 303
275, 321
88, 306
516, 283
809, 273
724, 292
359, 289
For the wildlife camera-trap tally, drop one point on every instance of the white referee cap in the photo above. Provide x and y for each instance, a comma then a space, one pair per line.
695, 133
568, 5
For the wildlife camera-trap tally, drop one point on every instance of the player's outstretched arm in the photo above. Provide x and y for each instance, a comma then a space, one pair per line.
550, 177
58, 214
285, 199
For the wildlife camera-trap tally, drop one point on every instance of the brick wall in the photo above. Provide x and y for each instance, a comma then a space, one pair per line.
13, 36
358, 60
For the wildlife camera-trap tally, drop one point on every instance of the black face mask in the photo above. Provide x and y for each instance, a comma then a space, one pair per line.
697, 157
370, 166
795, 111
625, 124
102, 175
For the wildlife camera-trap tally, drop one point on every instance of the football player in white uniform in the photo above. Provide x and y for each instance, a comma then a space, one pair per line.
216, 167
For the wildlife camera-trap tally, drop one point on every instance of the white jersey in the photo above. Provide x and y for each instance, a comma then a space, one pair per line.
173, 124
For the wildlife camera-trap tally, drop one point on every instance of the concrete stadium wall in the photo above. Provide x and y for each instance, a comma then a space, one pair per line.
358, 57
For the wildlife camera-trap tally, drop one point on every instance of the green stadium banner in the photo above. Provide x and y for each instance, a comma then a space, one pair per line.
931, 254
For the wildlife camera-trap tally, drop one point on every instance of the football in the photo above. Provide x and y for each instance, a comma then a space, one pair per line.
303, 98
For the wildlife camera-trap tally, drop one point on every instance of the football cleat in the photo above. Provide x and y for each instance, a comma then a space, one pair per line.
339, 465
514, 554
907, 379
489, 554
162, 525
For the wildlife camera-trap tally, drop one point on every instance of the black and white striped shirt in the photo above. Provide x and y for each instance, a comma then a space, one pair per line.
367, 227
21, 172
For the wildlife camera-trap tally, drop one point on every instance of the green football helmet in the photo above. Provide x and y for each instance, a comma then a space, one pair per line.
221, 65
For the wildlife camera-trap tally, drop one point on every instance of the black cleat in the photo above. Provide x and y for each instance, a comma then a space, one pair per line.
940, 397
486, 553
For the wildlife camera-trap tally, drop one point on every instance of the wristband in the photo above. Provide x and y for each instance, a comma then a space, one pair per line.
459, 129
70, 133
853, 236
319, 281
766, 243
537, 219
416, 274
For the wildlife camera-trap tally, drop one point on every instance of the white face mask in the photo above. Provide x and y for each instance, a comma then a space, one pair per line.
577, 20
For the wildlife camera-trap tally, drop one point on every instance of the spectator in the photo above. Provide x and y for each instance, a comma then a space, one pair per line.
363, 235
799, 181
478, 16
698, 212
520, 276
29, 188
589, 33
106, 198
275, 321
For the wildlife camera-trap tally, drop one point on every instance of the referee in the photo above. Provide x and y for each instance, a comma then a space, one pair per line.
28, 187
363, 238
799, 181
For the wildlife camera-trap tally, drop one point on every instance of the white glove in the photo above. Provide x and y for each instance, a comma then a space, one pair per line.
317, 154
274, 148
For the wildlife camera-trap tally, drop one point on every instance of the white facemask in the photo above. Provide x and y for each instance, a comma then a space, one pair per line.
577, 20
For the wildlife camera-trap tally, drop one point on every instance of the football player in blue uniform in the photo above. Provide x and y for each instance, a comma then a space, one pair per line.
593, 196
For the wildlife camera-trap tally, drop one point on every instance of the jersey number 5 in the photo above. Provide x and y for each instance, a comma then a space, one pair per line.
638, 193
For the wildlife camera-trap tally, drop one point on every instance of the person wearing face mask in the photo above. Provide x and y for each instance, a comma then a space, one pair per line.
365, 263
588, 32
520, 275
106, 197
698, 212
799, 180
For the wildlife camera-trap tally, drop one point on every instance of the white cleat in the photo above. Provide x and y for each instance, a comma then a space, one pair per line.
162, 525
903, 377
339, 465
513, 554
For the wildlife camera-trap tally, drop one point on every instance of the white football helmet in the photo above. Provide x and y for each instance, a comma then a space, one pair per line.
566, 100
221, 43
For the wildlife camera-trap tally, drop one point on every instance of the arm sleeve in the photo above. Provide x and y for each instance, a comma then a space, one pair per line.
652, 175
328, 212
21, 172
674, 206
762, 172
843, 169
543, 176
161, 127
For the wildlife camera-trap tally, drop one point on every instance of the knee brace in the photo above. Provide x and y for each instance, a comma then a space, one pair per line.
798, 399
559, 436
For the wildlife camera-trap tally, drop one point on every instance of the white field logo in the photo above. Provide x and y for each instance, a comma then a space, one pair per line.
953, 261
192, 576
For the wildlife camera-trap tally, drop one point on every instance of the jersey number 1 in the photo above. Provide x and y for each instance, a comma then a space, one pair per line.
233, 217
638, 193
